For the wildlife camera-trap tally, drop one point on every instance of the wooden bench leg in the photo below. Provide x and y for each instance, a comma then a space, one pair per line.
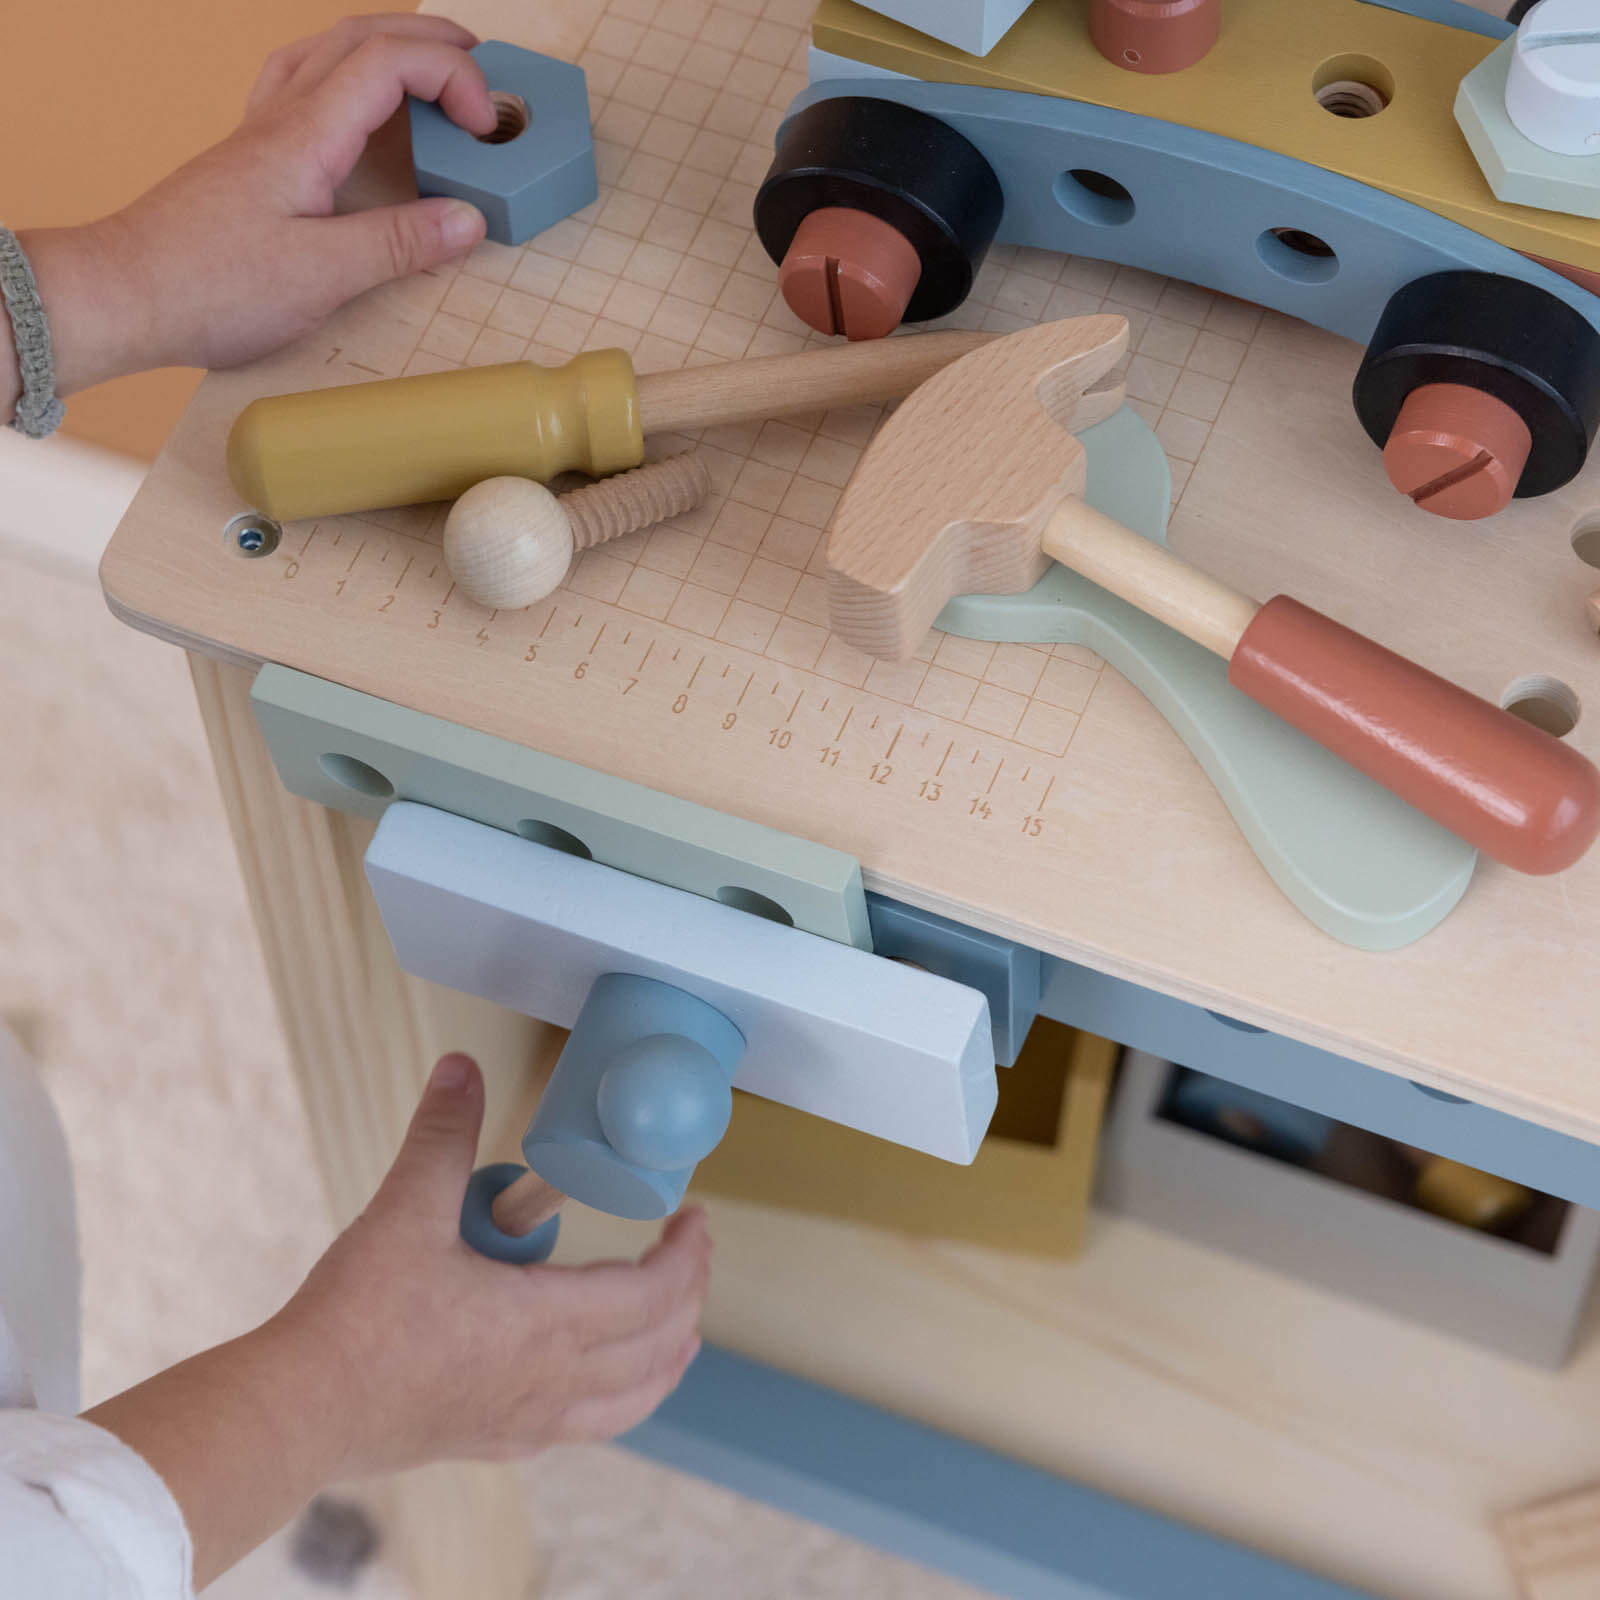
361, 1036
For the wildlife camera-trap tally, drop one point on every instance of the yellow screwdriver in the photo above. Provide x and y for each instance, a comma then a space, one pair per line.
400, 440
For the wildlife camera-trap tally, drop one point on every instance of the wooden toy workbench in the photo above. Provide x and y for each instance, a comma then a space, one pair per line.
1025, 790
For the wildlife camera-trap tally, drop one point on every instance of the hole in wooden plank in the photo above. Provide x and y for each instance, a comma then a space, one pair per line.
1586, 540
1352, 86
758, 905
547, 833
1546, 702
357, 775
1296, 254
1094, 197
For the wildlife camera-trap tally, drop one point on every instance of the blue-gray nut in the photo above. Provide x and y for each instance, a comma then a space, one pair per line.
530, 181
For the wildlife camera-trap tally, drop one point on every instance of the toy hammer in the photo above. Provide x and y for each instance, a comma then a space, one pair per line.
973, 486
363, 446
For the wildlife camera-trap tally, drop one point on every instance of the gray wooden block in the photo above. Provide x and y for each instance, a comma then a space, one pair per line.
1478, 1286
357, 753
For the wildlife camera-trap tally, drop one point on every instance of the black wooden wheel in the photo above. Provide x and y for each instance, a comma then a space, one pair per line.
1500, 335
895, 163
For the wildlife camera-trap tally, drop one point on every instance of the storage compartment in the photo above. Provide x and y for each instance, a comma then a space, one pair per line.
1233, 1169
1027, 1190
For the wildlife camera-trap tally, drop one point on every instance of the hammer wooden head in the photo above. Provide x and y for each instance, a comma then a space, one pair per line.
953, 494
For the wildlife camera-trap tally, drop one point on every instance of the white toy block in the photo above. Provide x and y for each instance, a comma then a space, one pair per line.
975, 26
1516, 169
829, 1029
1553, 81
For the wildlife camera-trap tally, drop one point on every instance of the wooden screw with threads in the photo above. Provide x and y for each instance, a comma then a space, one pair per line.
509, 541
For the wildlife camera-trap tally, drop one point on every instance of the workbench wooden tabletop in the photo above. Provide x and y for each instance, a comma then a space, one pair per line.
1026, 789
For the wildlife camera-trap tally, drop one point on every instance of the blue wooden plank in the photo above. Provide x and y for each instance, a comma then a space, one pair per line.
939, 1500
1206, 209
1381, 1101
1453, 13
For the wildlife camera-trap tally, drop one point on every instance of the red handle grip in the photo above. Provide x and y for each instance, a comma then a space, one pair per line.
1509, 788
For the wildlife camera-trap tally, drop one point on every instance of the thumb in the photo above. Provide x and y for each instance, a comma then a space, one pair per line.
366, 248
429, 1175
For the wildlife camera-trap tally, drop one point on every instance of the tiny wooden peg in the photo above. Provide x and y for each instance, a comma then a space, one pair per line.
522, 1206
509, 542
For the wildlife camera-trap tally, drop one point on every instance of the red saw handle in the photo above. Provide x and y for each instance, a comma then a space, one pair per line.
1509, 788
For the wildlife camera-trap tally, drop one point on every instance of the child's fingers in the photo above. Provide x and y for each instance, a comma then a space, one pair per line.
623, 1364
340, 42
295, 68
352, 253
591, 1421
615, 1300
429, 1175
369, 84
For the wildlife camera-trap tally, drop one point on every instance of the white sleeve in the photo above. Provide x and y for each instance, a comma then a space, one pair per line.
83, 1517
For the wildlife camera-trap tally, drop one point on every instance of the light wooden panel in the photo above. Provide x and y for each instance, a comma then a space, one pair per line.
1332, 1436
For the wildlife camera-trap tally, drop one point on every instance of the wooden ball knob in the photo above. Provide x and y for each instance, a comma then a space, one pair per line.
507, 543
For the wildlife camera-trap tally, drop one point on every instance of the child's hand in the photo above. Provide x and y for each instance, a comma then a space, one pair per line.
404, 1346
239, 252
444, 1353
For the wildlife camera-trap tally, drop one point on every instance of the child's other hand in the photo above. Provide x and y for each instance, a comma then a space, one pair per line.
239, 252
439, 1352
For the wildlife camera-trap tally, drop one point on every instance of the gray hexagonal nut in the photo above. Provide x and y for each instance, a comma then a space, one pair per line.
1519, 171
527, 182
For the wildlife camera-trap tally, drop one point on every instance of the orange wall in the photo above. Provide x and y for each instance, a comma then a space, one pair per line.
102, 98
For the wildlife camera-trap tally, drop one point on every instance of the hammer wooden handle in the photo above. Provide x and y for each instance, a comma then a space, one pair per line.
1506, 787
522, 1206
398, 441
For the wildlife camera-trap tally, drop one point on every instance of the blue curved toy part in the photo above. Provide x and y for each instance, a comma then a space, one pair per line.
641, 1095
1453, 13
485, 1235
1360, 863
1204, 209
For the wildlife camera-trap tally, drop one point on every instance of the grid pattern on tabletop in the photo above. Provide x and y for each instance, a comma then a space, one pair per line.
685, 99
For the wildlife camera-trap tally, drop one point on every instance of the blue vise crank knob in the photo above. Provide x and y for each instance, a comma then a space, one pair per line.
642, 1093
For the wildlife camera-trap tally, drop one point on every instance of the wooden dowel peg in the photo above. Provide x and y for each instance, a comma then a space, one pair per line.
509, 542
528, 1202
